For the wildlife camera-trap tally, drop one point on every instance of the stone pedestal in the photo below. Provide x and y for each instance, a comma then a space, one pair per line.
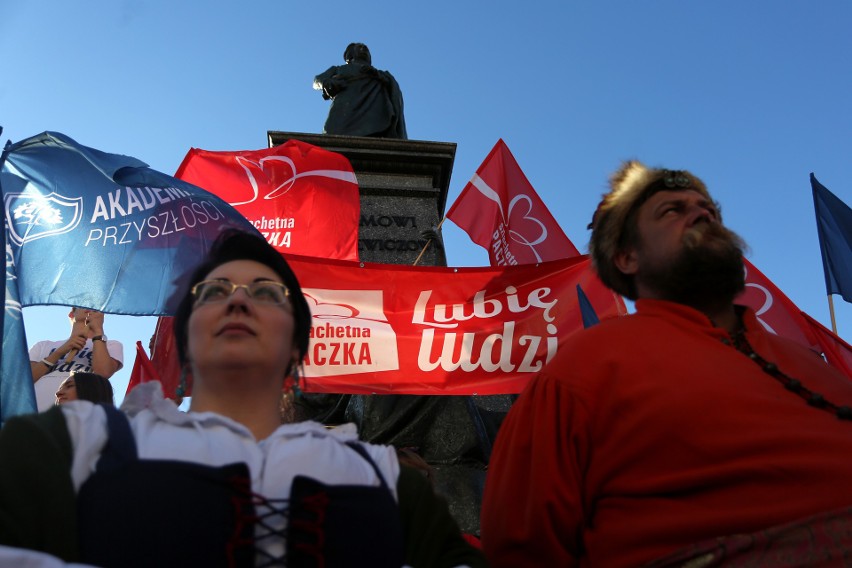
403, 186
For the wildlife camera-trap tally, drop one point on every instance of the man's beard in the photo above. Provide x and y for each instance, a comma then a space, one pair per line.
707, 274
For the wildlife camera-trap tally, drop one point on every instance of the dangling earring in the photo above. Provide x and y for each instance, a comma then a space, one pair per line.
181, 389
298, 379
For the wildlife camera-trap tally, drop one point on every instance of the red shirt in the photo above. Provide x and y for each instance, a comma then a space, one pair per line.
651, 432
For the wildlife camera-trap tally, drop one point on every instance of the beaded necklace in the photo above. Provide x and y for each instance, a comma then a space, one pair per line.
814, 399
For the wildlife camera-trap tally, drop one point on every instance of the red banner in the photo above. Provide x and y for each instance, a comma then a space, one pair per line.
392, 329
500, 211
433, 330
302, 198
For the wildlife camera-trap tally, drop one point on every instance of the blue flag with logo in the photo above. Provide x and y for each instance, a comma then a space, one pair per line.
834, 226
103, 231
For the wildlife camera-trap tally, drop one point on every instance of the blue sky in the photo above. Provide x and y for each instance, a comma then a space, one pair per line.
750, 96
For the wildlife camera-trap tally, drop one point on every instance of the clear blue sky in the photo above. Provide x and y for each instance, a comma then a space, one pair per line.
750, 96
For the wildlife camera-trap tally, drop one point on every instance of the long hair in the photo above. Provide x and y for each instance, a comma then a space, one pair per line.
92, 387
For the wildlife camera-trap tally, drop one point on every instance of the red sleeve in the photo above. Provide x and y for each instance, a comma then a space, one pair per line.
532, 510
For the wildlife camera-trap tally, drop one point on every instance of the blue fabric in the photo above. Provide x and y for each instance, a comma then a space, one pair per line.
91, 229
17, 395
104, 231
834, 226
590, 318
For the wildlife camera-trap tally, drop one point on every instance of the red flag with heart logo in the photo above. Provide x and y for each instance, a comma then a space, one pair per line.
302, 198
500, 211
774, 309
781, 316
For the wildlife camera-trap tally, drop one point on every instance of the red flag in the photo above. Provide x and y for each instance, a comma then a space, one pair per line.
164, 360
302, 198
837, 352
394, 329
774, 310
500, 211
781, 316
143, 371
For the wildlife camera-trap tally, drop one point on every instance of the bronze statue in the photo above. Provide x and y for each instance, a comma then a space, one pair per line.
364, 100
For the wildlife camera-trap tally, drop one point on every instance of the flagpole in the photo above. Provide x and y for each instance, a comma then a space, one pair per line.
3, 285
831, 310
426, 246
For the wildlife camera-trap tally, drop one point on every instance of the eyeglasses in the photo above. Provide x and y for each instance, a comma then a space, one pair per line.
262, 291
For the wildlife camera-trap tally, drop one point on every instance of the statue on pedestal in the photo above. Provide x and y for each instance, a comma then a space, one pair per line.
364, 100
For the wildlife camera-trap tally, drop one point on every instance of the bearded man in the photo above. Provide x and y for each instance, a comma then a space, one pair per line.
684, 434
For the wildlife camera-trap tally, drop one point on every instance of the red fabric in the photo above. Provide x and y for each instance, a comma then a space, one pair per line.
821, 541
649, 433
777, 313
393, 329
164, 359
500, 211
303, 199
837, 352
775, 310
143, 371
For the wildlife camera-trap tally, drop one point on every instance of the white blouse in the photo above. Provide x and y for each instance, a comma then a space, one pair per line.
164, 432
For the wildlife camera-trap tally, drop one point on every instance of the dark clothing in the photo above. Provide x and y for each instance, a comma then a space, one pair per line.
39, 508
365, 101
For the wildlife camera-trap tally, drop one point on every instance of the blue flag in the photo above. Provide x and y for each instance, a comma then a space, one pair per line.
96, 230
834, 226
590, 317
103, 231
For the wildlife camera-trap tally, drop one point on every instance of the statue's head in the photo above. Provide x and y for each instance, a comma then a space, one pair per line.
357, 51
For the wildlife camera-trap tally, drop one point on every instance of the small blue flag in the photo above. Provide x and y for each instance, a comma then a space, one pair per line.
834, 226
95, 230
587, 312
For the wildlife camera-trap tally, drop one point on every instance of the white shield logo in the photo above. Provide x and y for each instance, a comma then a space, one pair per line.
32, 216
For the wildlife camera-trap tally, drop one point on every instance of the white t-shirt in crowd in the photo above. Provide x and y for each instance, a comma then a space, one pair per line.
47, 385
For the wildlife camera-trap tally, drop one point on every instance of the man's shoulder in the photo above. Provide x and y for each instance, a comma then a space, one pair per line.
614, 327
612, 341
44, 345
48, 342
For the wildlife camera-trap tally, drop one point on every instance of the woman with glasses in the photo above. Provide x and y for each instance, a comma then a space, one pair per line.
225, 484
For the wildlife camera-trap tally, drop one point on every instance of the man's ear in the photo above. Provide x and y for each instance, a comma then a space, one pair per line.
626, 261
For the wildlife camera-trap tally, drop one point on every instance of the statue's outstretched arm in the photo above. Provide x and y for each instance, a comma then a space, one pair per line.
329, 83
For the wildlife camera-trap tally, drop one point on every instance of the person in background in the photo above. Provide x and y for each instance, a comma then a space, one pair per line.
224, 484
86, 349
685, 434
85, 386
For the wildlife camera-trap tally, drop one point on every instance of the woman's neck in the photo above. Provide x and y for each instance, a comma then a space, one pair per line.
252, 401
